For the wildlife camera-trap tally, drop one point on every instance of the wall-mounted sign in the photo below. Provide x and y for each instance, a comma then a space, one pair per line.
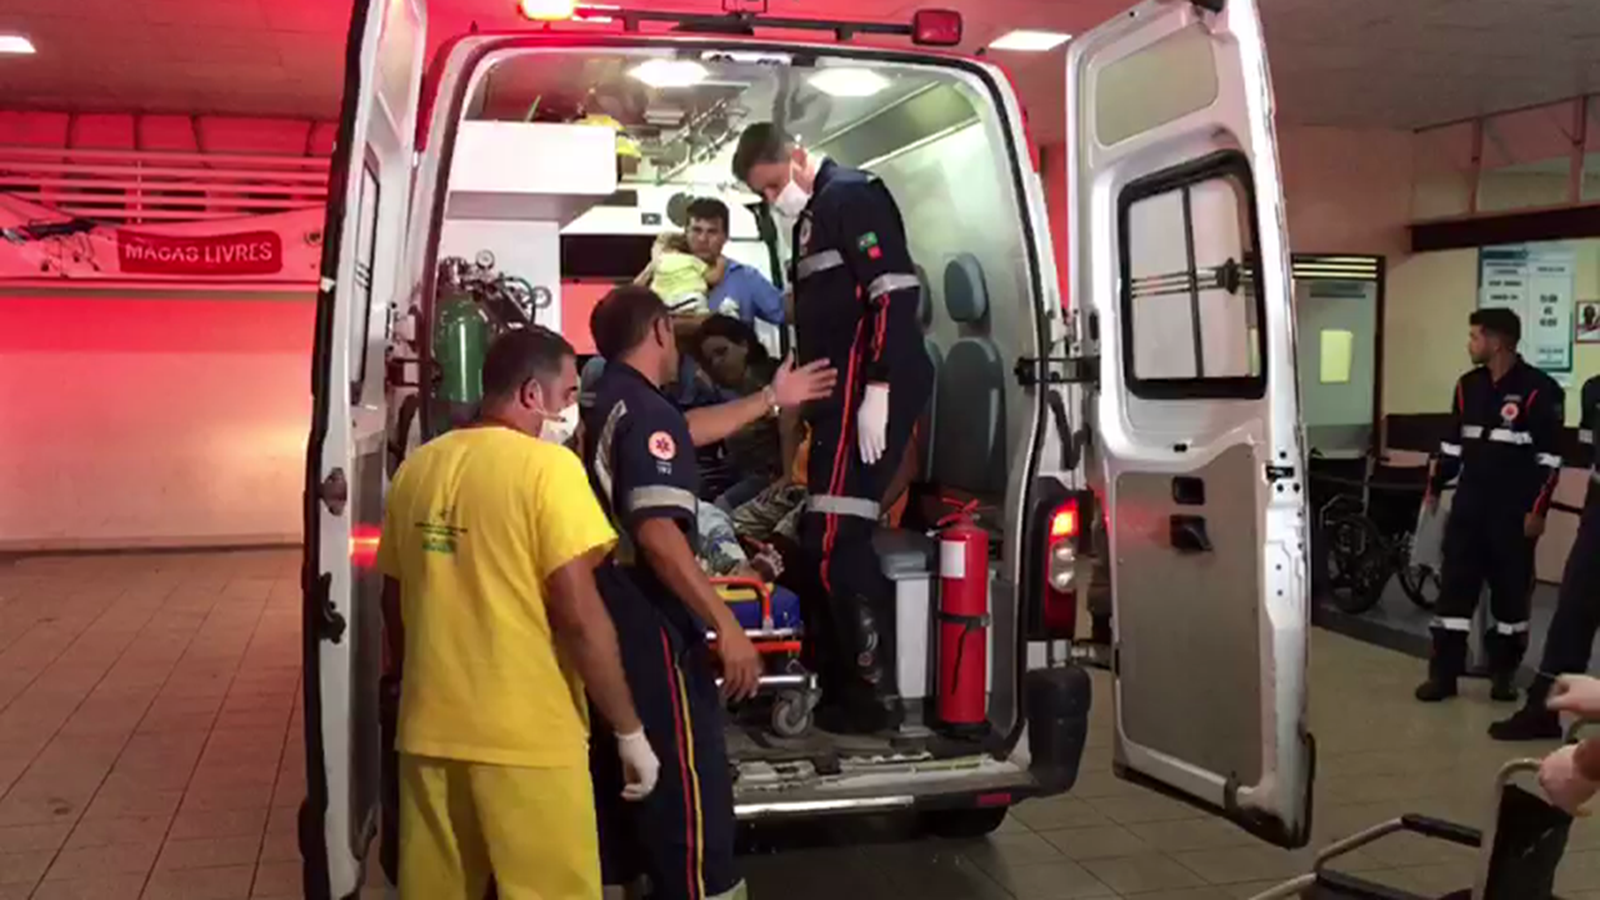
244, 253
1587, 318
40, 243
1536, 281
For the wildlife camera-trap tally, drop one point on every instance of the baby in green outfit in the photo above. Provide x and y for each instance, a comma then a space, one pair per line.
679, 277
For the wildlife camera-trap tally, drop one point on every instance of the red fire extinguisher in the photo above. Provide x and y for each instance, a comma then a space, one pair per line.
963, 620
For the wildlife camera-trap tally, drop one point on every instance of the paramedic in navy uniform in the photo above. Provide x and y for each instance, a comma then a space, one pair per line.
639, 452
1570, 642
855, 305
1504, 442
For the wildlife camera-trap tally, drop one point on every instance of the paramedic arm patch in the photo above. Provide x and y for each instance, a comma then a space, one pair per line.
656, 471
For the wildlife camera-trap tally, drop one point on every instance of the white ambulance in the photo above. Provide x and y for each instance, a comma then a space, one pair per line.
1141, 431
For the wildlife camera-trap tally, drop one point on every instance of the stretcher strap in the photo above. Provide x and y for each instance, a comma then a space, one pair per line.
856, 507
821, 261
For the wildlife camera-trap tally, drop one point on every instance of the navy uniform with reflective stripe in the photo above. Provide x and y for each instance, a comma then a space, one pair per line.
641, 463
855, 304
1504, 443
1570, 643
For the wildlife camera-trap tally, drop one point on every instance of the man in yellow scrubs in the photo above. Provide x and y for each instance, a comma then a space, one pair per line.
490, 539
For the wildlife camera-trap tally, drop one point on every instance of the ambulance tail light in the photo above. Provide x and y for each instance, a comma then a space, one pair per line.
936, 27
364, 546
1058, 613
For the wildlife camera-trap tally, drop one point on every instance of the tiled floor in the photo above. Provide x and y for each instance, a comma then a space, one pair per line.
150, 747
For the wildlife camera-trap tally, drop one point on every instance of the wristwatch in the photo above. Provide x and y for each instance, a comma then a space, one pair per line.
771, 397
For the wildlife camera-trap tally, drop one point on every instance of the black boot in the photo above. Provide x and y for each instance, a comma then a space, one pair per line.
1444, 666
1533, 722
1436, 689
1503, 688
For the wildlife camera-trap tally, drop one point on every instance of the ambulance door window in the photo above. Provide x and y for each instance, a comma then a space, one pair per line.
361, 337
1191, 315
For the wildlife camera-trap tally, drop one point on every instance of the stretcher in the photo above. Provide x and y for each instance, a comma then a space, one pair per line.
1517, 855
770, 616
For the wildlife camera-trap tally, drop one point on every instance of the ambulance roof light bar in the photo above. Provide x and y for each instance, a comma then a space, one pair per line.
928, 27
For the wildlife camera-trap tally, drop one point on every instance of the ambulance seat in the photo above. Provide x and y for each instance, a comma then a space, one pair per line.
588, 377
969, 447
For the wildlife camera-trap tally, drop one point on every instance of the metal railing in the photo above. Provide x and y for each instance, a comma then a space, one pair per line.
131, 187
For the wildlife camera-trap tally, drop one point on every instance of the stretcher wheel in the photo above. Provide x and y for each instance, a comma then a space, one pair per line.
791, 714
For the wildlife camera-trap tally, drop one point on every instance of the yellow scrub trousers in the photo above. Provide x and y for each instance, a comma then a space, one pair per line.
532, 829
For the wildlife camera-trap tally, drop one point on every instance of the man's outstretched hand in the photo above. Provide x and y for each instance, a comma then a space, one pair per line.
793, 385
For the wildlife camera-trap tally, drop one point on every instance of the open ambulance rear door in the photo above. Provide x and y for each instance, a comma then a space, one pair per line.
362, 271
1181, 271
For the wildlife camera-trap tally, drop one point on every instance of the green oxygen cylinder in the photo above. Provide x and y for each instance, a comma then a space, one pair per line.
460, 342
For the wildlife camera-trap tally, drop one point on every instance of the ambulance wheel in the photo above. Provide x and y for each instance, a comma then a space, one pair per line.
791, 714
964, 823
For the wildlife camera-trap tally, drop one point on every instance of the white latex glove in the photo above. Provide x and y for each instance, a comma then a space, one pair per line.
872, 423
640, 768
1562, 782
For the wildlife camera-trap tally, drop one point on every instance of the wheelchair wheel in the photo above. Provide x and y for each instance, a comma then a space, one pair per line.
1358, 563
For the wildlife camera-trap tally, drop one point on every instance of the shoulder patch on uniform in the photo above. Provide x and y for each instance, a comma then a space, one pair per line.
662, 446
867, 241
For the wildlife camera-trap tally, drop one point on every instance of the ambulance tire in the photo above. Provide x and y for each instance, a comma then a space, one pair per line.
964, 823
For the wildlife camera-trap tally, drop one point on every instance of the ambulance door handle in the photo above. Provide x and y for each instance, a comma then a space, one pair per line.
1188, 534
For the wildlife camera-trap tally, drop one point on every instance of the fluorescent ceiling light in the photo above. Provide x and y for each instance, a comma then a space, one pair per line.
669, 73
1029, 41
15, 43
848, 82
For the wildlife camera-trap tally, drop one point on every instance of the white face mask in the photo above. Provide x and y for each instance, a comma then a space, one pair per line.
791, 200
559, 428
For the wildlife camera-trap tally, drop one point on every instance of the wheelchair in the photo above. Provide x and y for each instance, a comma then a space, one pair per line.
1517, 859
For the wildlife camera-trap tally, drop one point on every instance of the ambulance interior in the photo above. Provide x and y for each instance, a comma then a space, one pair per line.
569, 164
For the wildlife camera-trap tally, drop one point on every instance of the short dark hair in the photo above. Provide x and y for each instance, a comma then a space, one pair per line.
709, 209
734, 331
516, 357
1498, 321
623, 319
762, 142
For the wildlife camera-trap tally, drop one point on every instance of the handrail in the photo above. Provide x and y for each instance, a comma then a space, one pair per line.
125, 186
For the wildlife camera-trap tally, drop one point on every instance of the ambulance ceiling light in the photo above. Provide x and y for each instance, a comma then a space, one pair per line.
843, 81
547, 10
1029, 41
669, 73
15, 44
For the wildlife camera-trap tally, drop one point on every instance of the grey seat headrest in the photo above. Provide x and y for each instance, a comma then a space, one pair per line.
588, 377
966, 295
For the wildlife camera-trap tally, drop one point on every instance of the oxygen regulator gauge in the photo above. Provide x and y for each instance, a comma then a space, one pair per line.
484, 259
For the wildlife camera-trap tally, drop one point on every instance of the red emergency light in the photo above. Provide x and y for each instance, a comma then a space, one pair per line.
936, 27
547, 10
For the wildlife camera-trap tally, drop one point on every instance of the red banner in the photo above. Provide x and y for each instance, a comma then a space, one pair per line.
241, 253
